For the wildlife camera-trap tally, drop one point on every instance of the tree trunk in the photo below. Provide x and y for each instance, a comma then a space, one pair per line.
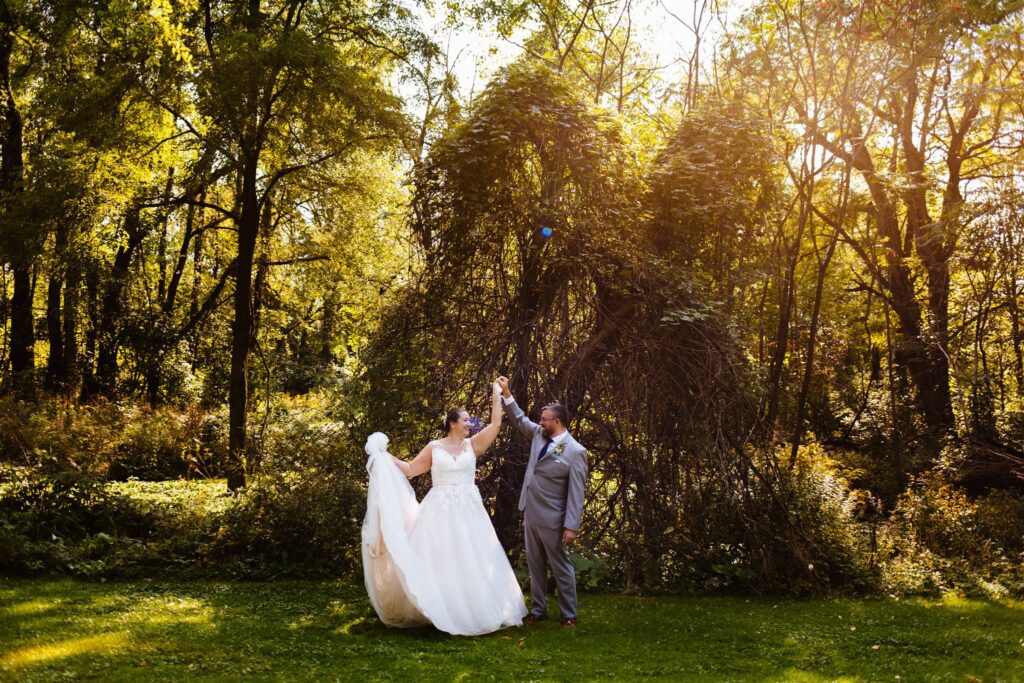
167, 306
241, 330
92, 294
69, 372
805, 386
56, 366
790, 254
197, 281
11, 185
54, 332
922, 352
161, 250
158, 345
22, 335
108, 334
786, 302
328, 322
1016, 329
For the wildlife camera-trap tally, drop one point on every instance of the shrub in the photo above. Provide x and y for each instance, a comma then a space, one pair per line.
940, 539
592, 570
757, 526
57, 434
112, 440
1000, 517
47, 521
301, 513
154, 446
822, 541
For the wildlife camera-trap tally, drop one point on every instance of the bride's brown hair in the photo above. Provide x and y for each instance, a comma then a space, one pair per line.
452, 416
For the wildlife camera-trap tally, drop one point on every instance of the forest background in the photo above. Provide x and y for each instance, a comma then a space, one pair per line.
770, 256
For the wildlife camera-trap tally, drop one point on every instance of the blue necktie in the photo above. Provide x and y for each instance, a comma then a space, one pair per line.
544, 451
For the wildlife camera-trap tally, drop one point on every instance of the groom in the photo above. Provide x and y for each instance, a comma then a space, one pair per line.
551, 503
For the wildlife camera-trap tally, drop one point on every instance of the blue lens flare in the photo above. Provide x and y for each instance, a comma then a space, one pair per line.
546, 232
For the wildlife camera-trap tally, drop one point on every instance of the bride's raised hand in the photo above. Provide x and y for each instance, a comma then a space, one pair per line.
486, 436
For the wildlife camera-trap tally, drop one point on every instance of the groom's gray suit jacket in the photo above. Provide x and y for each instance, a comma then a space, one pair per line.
552, 496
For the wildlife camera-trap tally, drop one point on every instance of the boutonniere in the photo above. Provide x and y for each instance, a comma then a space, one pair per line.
557, 450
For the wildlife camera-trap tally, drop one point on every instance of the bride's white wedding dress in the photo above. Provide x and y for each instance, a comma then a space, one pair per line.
438, 561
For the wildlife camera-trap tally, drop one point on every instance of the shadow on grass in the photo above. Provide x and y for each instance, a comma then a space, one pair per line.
322, 631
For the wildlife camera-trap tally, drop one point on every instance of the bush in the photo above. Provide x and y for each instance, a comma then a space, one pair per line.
1000, 517
154, 446
47, 522
940, 539
112, 440
167, 444
822, 541
592, 570
749, 526
301, 514
767, 528
57, 434
76, 524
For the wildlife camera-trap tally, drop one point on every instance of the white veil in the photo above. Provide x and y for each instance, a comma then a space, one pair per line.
401, 592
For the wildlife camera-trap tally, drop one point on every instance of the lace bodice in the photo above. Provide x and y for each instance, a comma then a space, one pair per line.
449, 468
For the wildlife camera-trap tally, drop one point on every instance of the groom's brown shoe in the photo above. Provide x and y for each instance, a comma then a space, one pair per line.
569, 623
532, 619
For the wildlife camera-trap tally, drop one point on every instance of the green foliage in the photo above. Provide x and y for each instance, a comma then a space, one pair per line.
73, 524
166, 444
686, 237
793, 529
940, 539
826, 515
302, 510
292, 525
531, 153
300, 516
56, 523
592, 570
112, 440
51, 435
710, 190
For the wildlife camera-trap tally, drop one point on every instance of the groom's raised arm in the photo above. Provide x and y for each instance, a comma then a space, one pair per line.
515, 413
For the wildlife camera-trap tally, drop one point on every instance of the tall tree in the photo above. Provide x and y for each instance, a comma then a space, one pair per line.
12, 185
914, 102
286, 89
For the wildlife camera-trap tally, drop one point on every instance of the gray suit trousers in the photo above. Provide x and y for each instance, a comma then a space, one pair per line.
544, 547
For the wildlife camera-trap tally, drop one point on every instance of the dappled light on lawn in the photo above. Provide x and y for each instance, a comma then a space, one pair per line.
170, 611
30, 607
108, 643
797, 676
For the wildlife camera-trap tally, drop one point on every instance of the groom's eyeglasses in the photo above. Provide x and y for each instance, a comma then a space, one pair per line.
548, 419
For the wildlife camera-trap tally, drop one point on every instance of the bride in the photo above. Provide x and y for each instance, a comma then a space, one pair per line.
438, 561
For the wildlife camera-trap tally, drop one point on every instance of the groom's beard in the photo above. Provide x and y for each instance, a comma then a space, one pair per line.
546, 431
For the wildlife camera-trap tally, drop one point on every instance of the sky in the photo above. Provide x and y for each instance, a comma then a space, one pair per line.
480, 52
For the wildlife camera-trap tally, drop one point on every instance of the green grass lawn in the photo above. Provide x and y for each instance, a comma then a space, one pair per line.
292, 630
